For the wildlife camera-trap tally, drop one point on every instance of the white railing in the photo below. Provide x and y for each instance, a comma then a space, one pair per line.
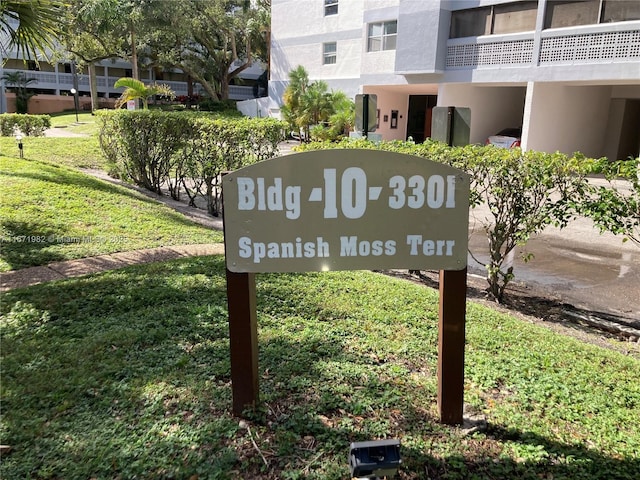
619, 46
556, 47
489, 53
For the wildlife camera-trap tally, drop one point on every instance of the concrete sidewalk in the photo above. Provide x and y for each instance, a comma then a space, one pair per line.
85, 266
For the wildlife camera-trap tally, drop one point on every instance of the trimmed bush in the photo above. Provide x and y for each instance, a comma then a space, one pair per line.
525, 191
28, 125
184, 151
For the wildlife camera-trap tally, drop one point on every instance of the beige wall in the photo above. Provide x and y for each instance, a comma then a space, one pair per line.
492, 107
386, 102
42, 104
568, 118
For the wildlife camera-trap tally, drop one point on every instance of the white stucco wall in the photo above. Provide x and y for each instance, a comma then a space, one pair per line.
423, 29
298, 30
492, 107
568, 118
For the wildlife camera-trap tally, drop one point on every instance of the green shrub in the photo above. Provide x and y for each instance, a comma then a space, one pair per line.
29, 125
524, 191
228, 107
615, 207
184, 151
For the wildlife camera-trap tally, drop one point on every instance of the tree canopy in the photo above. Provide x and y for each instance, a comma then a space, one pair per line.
220, 39
212, 41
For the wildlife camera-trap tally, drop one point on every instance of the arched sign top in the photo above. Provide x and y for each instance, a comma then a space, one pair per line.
346, 210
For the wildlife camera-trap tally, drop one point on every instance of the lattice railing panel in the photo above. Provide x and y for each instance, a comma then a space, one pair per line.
494, 53
591, 48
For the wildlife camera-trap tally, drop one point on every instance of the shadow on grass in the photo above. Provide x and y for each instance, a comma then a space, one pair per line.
309, 411
64, 176
29, 243
127, 374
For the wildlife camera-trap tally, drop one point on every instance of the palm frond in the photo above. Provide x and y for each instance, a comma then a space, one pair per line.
39, 23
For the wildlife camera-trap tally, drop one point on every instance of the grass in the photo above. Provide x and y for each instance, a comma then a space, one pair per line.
86, 123
75, 152
51, 213
126, 375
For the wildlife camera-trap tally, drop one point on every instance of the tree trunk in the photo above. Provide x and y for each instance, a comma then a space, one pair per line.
93, 86
134, 56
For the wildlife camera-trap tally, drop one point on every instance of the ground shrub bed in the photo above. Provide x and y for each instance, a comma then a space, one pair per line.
52, 213
126, 375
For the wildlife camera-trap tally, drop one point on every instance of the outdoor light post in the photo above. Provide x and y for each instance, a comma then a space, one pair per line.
19, 140
74, 92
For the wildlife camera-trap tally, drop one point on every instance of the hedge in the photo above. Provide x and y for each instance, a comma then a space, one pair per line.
28, 125
184, 151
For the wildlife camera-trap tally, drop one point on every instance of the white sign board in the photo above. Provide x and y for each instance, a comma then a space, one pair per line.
346, 210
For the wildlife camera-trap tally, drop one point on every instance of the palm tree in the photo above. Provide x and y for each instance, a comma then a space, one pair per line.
135, 89
317, 102
18, 82
38, 25
343, 119
298, 85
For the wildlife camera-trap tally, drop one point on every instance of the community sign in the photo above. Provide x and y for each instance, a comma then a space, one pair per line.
345, 210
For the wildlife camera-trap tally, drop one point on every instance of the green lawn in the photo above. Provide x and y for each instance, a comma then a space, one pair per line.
51, 213
126, 375
78, 152
85, 124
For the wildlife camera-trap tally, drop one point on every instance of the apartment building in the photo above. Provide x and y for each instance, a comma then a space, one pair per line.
55, 79
566, 72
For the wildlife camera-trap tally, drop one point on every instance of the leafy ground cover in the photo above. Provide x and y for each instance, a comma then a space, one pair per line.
51, 213
126, 375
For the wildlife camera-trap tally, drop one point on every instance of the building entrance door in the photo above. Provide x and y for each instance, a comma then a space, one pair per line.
419, 119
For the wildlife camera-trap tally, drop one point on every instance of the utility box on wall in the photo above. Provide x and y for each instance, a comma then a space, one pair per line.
451, 125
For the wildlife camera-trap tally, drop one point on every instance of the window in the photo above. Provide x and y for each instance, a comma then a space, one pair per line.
470, 23
330, 7
567, 14
329, 53
515, 17
497, 19
382, 36
564, 13
620, 11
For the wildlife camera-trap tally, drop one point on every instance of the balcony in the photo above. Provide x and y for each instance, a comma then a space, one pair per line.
58, 82
594, 44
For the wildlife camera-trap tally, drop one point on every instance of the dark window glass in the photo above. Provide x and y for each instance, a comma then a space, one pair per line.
563, 13
330, 7
620, 10
470, 23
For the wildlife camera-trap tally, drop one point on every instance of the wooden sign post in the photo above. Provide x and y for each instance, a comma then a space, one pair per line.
346, 210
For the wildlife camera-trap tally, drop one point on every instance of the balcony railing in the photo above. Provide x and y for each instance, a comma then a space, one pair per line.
481, 53
64, 82
599, 44
623, 46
